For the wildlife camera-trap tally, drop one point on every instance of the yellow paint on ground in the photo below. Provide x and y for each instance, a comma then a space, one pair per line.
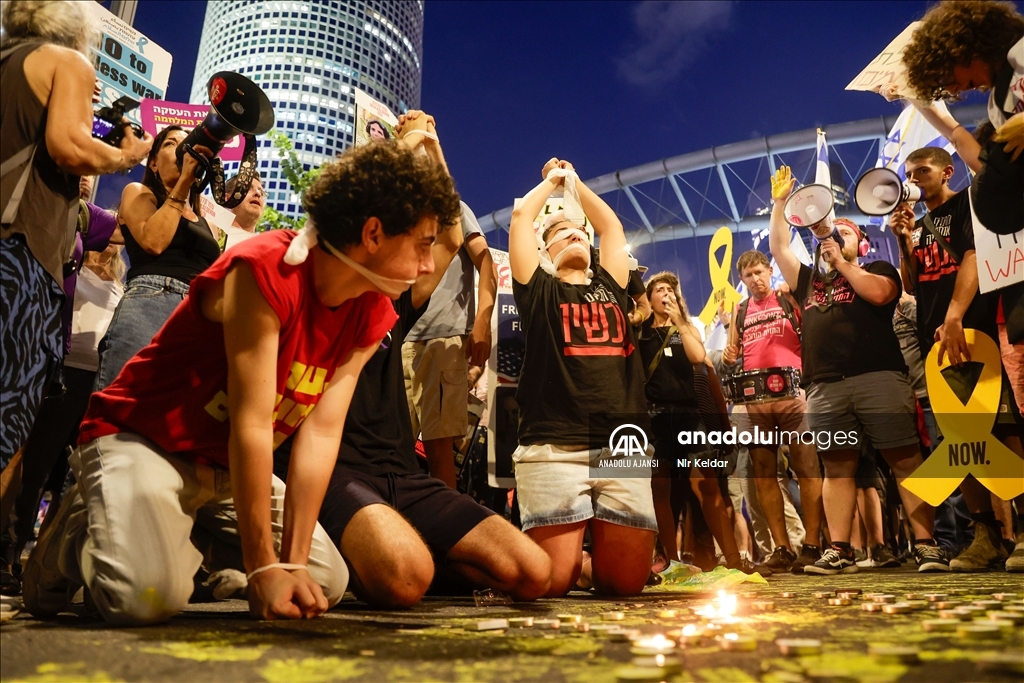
65, 673
209, 651
319, 670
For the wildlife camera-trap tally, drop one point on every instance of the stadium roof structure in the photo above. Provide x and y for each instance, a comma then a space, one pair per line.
694, 194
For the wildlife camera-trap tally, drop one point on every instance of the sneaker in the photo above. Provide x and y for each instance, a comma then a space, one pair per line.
833, 561
743, 564
985, 552
809, 554
859, 555
45, 589
930, 558
880, 558
781, 559
1015, 562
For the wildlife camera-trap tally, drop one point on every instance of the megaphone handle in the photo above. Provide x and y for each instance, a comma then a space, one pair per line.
204, 164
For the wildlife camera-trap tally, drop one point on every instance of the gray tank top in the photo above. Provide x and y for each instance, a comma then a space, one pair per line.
48, 211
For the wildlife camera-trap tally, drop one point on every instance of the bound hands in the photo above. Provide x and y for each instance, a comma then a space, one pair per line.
782, 184
285, 594
415, 120
1012, 133
552, 164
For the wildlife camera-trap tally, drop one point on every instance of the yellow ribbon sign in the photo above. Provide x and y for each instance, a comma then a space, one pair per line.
721, 288
967, 446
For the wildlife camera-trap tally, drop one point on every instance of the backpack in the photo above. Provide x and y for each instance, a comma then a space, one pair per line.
787, 311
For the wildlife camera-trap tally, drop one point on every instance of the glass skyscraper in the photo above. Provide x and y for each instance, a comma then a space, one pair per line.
308, 57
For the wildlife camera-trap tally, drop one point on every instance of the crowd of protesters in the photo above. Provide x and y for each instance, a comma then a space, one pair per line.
279, 415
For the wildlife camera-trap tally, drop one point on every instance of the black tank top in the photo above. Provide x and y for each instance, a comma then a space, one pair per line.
191, 251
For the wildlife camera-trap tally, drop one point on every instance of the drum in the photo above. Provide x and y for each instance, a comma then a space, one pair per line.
762, 386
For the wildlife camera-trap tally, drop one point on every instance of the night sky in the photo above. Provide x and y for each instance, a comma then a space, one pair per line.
610, 85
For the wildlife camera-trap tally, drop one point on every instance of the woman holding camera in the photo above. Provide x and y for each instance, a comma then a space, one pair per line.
168, 243
46, 133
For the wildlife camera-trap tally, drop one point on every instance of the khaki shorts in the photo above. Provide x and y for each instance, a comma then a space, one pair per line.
436, 383
788, 414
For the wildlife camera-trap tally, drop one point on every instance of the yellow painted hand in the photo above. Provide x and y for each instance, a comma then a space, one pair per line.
1012, 133
782, 183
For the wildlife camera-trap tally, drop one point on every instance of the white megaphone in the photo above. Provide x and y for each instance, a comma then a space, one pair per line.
880, 190
808, 208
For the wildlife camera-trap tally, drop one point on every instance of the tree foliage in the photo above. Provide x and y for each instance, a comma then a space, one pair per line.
298, 177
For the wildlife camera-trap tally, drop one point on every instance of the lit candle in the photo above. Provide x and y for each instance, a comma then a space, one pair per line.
737, 642
691, 635
657, 644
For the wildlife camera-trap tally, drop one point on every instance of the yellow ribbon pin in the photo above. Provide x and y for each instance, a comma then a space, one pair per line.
721, 288
967, 446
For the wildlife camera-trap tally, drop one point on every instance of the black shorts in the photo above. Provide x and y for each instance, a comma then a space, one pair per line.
441, 515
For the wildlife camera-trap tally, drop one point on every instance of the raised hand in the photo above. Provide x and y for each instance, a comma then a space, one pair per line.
782, 184
1012, 133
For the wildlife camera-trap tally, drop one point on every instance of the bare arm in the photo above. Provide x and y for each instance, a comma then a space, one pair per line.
942, 121
313, 457
689, 335
479, 347
522, 241
950, 334
152, 227
444, 250
642, 311
778, 235
608, 228
901, 223
69, 137
875, 289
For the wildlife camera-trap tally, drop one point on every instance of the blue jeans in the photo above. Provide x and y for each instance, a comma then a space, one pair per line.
148, 302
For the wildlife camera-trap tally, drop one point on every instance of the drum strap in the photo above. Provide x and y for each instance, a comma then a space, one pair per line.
657, 357
784, 304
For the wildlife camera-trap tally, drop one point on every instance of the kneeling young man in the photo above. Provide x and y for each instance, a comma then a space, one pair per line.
269, 342
397, 527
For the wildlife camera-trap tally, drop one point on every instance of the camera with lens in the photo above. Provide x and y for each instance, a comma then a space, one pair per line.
108, 123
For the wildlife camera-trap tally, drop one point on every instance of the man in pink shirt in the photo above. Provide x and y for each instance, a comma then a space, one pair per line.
767, 335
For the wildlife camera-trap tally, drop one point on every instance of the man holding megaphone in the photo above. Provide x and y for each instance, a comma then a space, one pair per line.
939, 265
855, 378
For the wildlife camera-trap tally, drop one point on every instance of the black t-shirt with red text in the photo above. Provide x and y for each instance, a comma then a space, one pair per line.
937, 271
581, 363
845, 335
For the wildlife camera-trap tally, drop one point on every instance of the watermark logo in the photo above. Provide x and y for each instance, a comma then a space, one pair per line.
628, 441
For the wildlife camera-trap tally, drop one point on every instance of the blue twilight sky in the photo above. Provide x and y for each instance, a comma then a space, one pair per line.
609, 85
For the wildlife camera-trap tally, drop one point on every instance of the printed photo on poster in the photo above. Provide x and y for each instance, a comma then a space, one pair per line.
374, 121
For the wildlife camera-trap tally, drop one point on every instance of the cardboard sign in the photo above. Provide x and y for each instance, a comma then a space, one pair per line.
967, 445
721, 287
127, 62
374, 121
885, 74
158, 114
1000, 257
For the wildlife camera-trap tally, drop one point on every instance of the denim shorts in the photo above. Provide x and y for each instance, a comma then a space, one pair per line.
555, 486
148, 302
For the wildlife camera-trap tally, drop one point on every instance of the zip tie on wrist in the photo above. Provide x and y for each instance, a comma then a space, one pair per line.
276, 565
420, 131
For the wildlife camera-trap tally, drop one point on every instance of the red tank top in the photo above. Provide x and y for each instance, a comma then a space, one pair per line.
174, 391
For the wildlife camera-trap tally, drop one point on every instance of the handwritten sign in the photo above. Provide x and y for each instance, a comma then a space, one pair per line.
885, 74
1000, 257
127, 62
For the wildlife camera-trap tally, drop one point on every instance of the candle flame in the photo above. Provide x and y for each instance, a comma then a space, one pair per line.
690, 630
731, 636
